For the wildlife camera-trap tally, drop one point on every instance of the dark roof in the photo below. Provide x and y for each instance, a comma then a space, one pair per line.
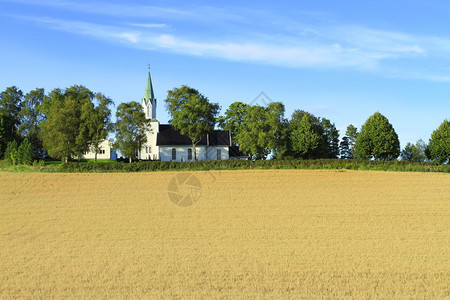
235, 152
169, 136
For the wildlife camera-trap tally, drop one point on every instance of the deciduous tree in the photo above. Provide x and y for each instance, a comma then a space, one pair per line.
377, 140
439, 145
191, 113
130, 127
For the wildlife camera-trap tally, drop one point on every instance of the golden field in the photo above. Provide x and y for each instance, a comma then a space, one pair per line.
250, 234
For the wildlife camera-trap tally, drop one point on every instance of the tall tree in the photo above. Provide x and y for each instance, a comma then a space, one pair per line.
307, 136
377, 140
30, 117
192, 113
100, 123
130, 127
414, 152
344, 148
332, 138
25, 153
65, 131
261, 130
439, 145
10, 102
352, 134
233, 119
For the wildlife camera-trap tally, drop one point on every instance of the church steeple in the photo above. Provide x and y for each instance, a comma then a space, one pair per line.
149, 100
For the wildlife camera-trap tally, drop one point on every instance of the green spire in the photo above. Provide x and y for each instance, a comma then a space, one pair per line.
149, 96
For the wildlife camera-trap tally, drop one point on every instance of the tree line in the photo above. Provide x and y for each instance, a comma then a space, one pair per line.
67, 123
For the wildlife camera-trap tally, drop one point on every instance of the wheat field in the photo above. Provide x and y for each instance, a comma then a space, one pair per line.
236, 234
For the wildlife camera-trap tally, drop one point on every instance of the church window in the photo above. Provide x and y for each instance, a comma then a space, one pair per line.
219, 154
189, 154
174, 154
148, 111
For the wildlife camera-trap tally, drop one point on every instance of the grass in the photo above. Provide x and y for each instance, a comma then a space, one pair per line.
250, 234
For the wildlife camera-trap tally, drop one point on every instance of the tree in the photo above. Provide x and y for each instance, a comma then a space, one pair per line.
233, 119
10, 102
344, 148
65, 131
30, 117
261, 130
130, 127
11, 153
192, 113
332, 138
439, 144
377, 140
307, 137
25, 153
99, 123
414, 152
352, 134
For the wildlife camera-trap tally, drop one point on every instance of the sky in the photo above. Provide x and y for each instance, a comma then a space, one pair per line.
342, 60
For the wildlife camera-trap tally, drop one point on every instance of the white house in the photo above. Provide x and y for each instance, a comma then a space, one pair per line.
165, 143
106, 152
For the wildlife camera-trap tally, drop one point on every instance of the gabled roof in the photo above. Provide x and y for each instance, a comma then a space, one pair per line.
169, 136
149, 95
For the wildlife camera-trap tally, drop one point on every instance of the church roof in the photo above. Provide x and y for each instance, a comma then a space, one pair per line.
149, 95
169, 136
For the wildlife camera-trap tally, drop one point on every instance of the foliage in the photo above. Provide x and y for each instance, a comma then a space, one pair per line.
344, 148
30, 117
130, 127
10, 102
25, 153
414, 152
11, 153
331, 138
439, 144
233, 119
261, 130
99, 124
66, 131
377, 140
191, 113
352, 134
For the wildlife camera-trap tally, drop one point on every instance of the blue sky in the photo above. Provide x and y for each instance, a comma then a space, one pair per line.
343, 60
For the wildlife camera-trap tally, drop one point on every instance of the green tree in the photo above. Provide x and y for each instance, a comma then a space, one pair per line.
130, 127
344, 148
11, 152
307, 136
30, 117
414, 152
192, 113
261, 130
377, 140
10, 102
25, 153
233, 119
100, 124
352, 134
331, 138
65, 131
439, 144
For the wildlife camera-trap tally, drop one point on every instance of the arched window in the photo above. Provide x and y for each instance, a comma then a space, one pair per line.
174, 154
189, 154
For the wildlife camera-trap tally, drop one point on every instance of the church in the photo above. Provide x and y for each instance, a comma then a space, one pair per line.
165, 143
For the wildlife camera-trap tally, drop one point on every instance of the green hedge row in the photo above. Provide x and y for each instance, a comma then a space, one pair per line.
146, 166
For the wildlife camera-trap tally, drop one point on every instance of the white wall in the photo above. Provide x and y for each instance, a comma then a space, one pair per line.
109, 152
151, 143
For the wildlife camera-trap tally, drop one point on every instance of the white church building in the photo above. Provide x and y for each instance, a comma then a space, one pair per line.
165, 143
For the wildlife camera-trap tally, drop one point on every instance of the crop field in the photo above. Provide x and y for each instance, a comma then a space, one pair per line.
225, 234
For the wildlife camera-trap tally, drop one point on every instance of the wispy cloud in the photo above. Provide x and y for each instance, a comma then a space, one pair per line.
243, 37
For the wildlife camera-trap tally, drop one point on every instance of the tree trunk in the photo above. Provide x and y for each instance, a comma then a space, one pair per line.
131, 159
95, 157
195, 151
